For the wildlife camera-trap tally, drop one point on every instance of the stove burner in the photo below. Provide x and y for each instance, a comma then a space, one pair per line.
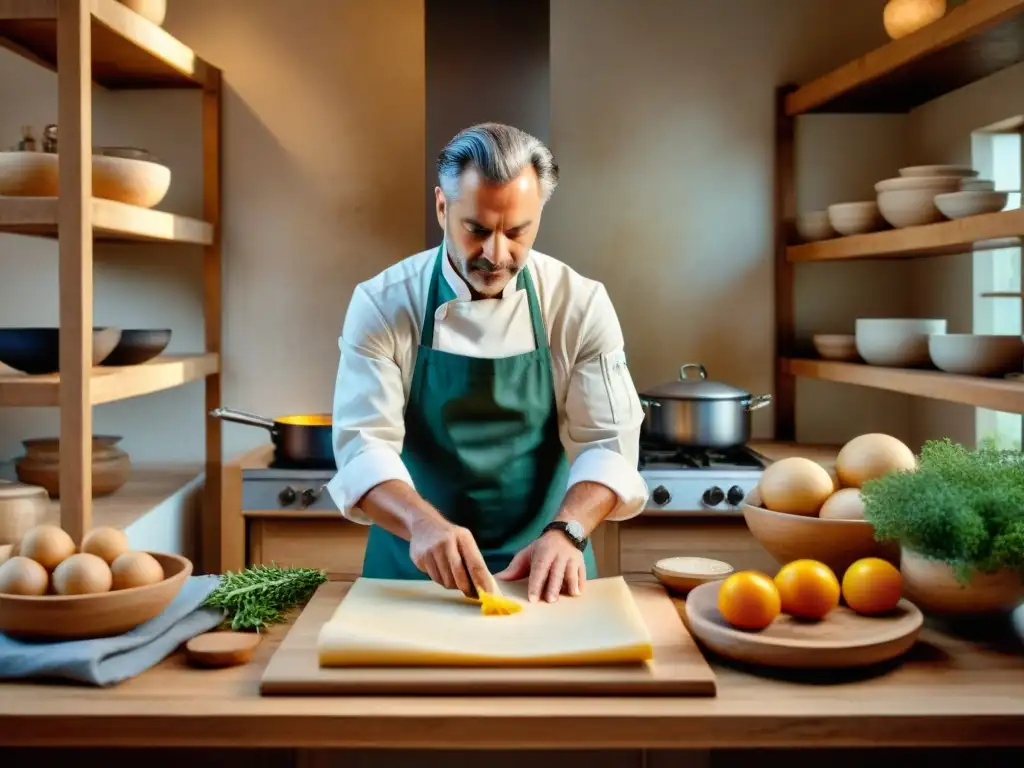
739, 456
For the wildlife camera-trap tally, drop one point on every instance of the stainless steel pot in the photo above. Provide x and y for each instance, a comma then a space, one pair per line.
695, 412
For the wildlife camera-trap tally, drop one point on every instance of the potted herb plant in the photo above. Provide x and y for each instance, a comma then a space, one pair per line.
959, 520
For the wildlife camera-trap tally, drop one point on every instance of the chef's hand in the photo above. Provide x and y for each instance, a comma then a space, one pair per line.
449, 555
554, 565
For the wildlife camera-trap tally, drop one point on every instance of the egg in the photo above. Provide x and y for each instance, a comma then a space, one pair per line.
48, 545
22, 576
136, 569
106, 543
870, 456
844, 504
795, 485
82, 574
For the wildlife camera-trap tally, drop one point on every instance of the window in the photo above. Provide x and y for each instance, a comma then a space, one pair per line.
997, 273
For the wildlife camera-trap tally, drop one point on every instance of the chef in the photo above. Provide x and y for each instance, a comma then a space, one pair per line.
485, 421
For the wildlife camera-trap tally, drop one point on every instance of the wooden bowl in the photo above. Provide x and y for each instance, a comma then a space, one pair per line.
36, 351
138, 346
81, 617
127, 180
836, 543
934, 588
40, 465
681, 574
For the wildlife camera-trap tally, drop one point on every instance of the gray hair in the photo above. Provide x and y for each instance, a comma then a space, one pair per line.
500, 153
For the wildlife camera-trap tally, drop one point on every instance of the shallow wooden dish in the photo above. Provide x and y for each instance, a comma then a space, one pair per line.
79, 617
843, 639
681, 574
836, 543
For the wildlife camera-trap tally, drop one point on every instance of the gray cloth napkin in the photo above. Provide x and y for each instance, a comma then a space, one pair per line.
110, 660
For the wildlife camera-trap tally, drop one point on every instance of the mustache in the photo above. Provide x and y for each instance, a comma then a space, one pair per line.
481, 264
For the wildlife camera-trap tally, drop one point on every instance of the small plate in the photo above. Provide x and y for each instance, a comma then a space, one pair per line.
681, 574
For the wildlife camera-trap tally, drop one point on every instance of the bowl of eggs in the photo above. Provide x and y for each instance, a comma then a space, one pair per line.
52, 590
800, 511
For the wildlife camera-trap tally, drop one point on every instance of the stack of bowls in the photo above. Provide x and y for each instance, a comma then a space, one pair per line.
925, 194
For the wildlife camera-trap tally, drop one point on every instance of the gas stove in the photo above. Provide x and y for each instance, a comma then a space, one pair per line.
692, 482
287, 487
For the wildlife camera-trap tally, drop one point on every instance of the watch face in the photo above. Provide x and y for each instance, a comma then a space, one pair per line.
574, 529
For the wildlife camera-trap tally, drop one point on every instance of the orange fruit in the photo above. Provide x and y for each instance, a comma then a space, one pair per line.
749, 600
808, 589
872, 586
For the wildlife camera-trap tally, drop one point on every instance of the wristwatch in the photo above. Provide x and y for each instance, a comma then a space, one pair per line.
572, 529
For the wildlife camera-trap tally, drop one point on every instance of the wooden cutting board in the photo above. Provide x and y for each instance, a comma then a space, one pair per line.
677, 667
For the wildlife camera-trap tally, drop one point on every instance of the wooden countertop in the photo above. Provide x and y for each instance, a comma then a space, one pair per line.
947, 692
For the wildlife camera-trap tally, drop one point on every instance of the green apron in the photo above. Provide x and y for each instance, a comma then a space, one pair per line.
481, 444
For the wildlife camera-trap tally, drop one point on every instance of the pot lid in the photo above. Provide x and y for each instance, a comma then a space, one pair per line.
693, 384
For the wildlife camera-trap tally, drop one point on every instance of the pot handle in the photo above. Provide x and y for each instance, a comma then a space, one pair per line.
702, 372
757, 402
648, 403
244, 417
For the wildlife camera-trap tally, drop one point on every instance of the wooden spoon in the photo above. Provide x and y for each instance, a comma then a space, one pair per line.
223, 649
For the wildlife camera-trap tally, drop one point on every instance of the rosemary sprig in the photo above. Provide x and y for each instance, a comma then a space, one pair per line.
260, 595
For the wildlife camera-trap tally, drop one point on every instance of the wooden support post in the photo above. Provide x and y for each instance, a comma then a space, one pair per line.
74, 231
784, 399
215, 539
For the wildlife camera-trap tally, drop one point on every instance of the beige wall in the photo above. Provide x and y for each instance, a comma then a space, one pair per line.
662, 121
323, 184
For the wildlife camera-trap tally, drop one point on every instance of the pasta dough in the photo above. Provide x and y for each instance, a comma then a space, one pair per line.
384, 622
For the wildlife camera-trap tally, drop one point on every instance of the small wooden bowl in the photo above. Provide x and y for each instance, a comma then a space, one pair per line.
681, 574
836, 543
80, 617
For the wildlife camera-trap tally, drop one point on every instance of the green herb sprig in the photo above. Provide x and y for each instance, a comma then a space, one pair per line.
259, 596
963, 507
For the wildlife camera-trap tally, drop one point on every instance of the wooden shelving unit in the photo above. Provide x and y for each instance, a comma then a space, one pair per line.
973, 41
104, 42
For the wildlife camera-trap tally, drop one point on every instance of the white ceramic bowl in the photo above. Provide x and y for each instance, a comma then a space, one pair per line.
813, 226
855, 218
936, 184
910, 201
836, 346
896, 342
983, 185
976, 355
938, 170
974, 202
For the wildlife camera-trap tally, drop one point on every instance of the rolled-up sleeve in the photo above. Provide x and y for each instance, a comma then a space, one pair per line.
603, 412
369, 407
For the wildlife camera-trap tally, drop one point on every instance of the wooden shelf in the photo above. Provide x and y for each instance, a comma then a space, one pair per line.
971, 42
990, 230
996, 394
37, 216
108, 385
128, 51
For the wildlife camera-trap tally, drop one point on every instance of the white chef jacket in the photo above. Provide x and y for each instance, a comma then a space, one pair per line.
599, 411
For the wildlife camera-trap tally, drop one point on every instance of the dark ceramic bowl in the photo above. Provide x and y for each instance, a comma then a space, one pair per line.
36, 351
138, 346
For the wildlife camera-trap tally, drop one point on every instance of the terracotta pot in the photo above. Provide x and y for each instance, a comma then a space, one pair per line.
933, 587
21, 507
41, 465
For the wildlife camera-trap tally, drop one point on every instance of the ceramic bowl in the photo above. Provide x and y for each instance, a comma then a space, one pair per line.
964, 171
836, 346
909, 201
36, 351
983, 185
972, 354
138, 346
681, 574
836, 543
933, 587
80, 617
970, 202
856, 218
896, 342
813, 226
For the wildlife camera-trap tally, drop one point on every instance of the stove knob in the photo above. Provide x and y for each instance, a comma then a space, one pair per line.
287, 496
309, 497
735, 495
661, 496
713, 496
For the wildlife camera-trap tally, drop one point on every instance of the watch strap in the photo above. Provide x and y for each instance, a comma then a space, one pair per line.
561, 525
